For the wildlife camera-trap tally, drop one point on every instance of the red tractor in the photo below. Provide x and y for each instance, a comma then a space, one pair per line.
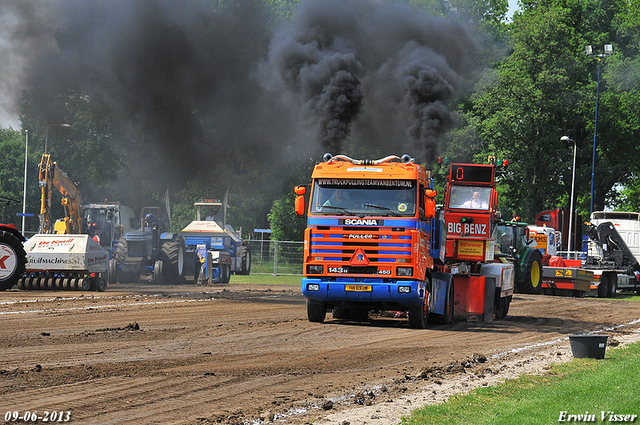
12, 256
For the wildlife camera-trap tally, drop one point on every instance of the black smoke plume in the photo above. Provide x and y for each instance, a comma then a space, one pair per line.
196, 86
401, 68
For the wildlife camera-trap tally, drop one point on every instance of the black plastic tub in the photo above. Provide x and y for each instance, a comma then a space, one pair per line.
588, 346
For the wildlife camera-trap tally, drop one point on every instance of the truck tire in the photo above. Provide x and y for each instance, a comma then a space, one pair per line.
613, 285
447, 317
419, 316
245, 267
503, 307
532, 279
340, 313
12, 260
172, 254
316, 313
603, 286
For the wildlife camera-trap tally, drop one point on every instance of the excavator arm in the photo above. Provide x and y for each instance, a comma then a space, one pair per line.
50, 176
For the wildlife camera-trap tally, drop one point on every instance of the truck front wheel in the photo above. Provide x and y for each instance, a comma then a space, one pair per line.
316, 313
419, 316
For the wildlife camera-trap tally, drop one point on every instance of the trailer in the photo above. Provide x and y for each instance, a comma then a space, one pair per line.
70, 262
610, 249
559, 276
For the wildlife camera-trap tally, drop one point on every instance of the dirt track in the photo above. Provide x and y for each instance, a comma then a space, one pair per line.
244, 354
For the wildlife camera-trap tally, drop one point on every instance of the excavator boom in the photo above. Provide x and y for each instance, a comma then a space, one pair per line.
52, 176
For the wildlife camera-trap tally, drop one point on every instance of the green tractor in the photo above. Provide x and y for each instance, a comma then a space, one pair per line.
512, 245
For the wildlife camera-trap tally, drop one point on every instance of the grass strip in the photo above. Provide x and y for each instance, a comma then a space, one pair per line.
588, 387
266, 279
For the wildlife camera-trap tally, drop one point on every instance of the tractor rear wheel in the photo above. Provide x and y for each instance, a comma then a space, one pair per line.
172, 255
532, 280
12, 260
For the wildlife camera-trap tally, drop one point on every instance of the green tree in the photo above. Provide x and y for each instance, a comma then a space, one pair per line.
542, 91
12, 148
285, 224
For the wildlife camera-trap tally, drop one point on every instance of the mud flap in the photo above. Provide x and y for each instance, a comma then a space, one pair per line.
439, 284
489, 298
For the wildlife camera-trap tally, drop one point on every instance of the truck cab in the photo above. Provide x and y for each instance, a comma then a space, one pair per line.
372, 239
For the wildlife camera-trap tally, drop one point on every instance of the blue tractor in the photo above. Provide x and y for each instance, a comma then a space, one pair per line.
151, 251
214, 249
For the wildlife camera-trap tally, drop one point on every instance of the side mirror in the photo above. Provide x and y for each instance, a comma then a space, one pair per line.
430, 203
299, 202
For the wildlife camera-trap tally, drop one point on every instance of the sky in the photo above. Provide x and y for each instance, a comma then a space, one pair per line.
513, 5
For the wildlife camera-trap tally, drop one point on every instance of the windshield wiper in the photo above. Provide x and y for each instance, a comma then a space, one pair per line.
380, 207
344, 210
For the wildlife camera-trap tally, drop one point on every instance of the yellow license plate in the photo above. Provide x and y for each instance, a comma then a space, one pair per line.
358, 288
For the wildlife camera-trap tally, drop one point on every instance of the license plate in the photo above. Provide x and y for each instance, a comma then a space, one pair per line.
358, 288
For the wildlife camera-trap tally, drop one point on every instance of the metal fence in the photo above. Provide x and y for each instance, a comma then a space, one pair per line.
276, 257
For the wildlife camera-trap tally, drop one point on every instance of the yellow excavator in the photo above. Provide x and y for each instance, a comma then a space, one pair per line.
50, 176
61, 255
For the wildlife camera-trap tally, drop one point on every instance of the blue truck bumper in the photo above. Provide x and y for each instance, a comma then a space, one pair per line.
405, 293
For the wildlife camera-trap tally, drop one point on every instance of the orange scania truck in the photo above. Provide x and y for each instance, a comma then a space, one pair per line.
375, 241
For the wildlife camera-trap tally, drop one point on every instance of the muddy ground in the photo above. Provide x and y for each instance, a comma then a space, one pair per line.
233, 354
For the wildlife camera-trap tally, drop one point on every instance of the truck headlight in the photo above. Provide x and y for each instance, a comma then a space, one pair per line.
404, 271
404, 289
315, 269
313, 287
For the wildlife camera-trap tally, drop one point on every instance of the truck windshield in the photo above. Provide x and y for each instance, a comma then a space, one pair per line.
469, 197
364, 197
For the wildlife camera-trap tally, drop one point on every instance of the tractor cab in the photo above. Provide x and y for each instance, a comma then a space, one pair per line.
514, 245
511, 239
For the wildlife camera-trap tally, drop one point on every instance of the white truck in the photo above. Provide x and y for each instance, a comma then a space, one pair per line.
613, 252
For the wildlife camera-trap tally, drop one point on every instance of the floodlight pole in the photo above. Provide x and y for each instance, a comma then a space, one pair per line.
608, 51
